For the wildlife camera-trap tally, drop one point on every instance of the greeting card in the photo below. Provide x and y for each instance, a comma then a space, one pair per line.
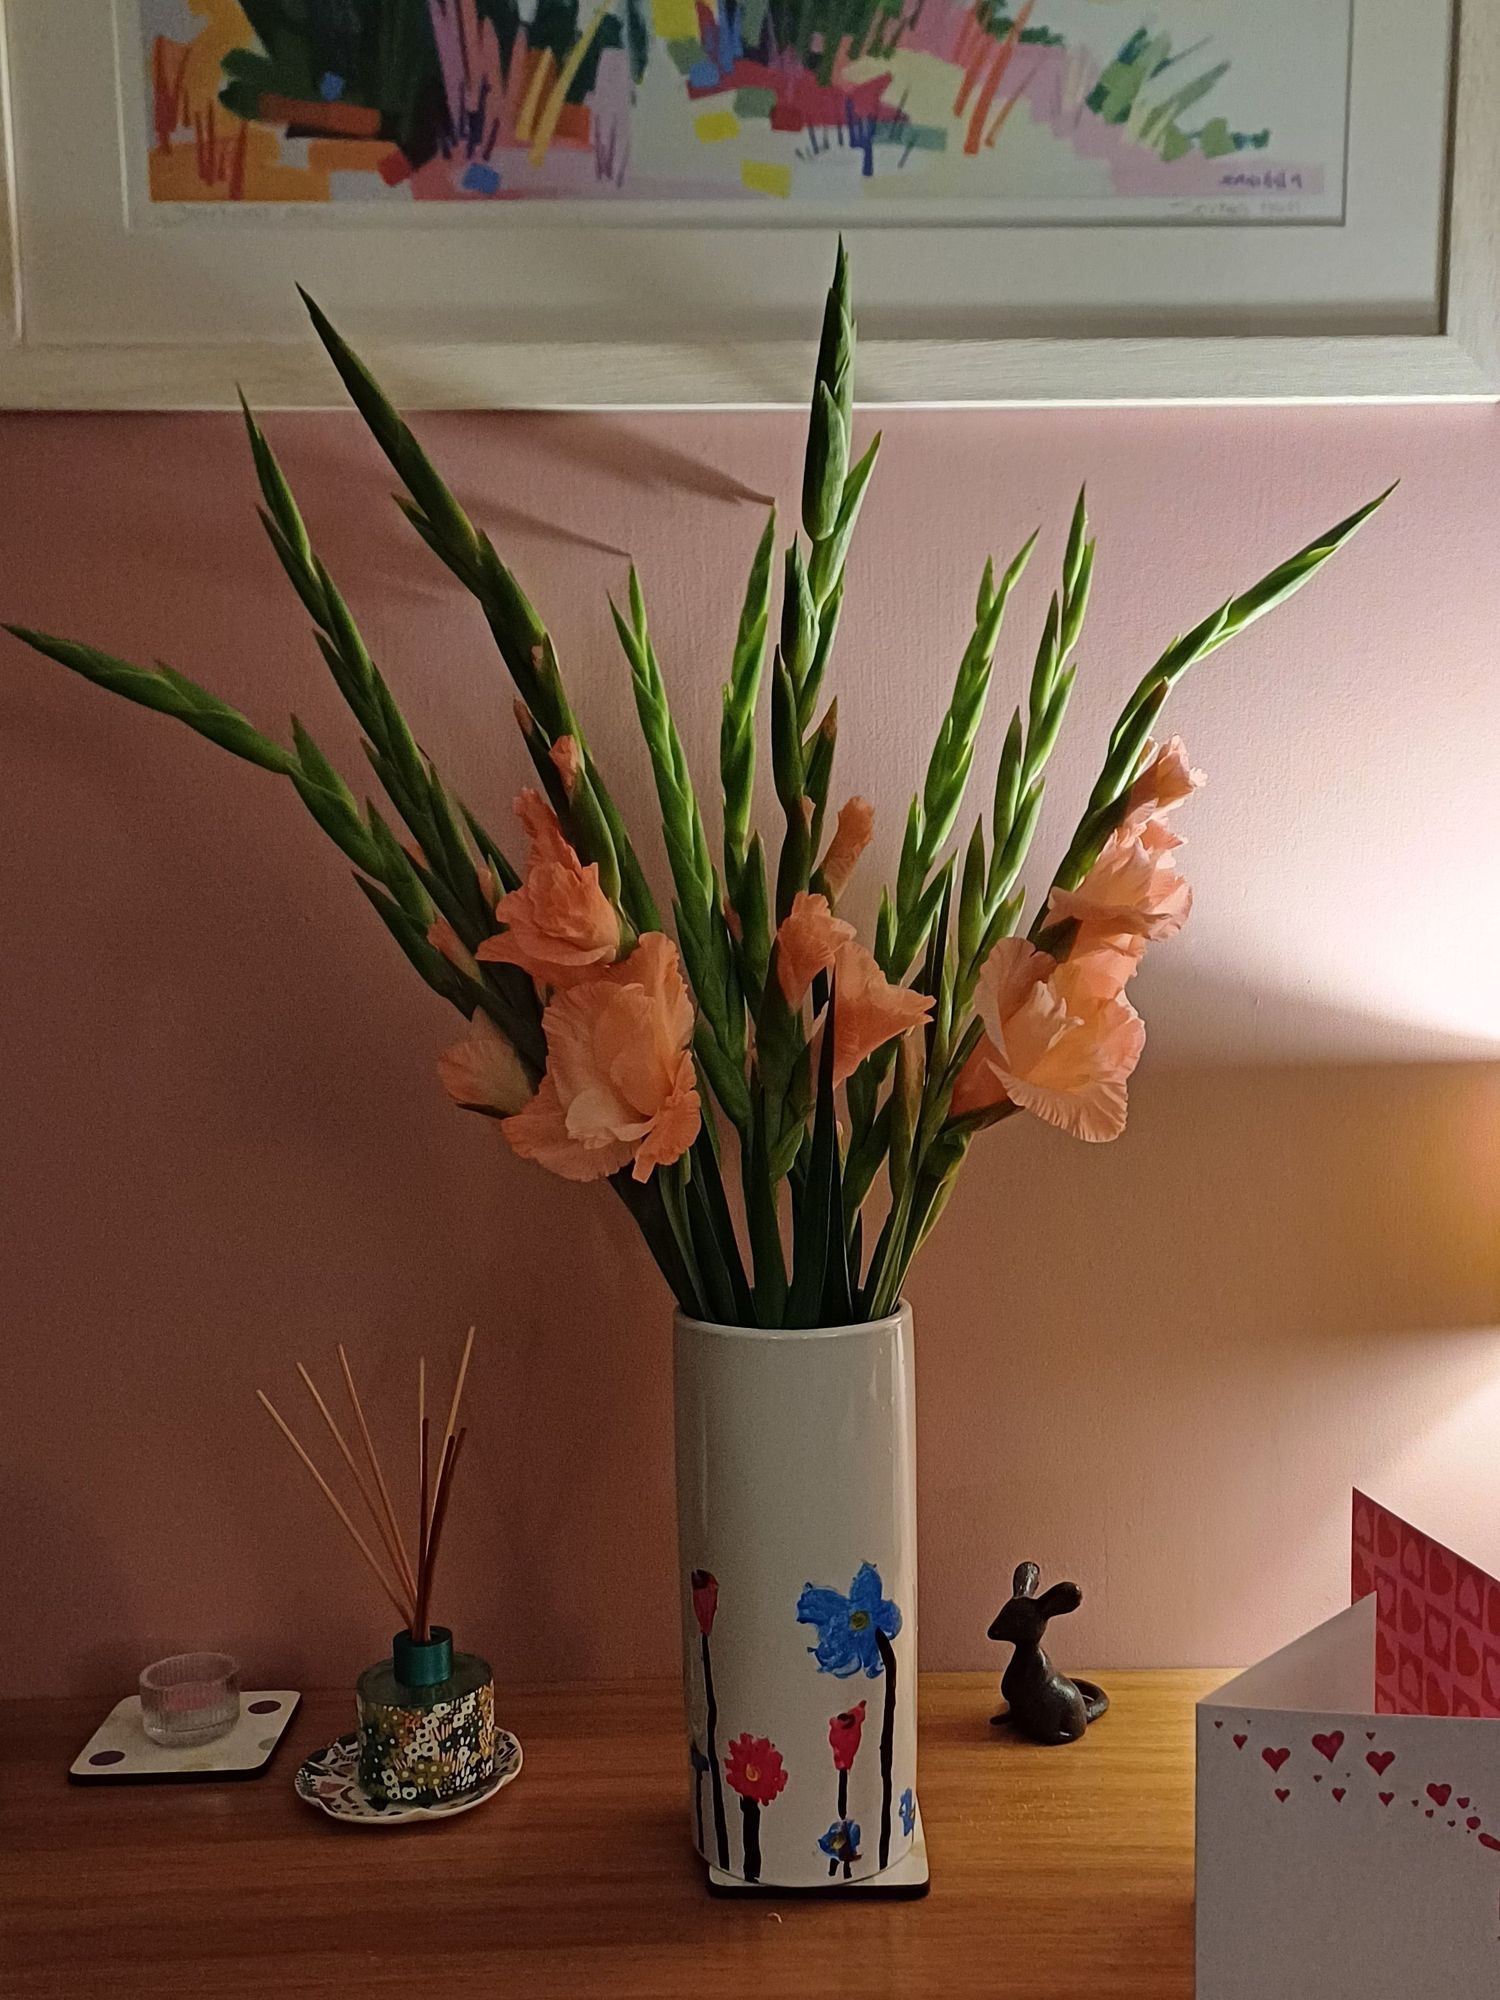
1349, 1792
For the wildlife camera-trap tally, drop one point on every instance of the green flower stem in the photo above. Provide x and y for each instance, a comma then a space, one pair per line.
707, 947
519, 634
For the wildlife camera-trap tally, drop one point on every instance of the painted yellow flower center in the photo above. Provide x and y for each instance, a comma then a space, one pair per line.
752, 1774
858, 1621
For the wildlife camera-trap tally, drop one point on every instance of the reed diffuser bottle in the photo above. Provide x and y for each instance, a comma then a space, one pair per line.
426, 1722
427, 1714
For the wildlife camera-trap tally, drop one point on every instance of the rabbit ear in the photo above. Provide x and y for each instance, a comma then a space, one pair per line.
1060, 1598
1026, 1579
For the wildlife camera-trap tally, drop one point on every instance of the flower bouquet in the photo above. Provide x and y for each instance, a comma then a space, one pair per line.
758, 1041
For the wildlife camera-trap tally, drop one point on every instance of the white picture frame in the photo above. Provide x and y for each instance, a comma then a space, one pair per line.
67, 340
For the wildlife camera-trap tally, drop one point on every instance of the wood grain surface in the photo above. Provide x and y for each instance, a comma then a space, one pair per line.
1061, 1874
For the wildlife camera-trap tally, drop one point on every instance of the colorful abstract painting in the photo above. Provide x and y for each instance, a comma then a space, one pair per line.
1009, 110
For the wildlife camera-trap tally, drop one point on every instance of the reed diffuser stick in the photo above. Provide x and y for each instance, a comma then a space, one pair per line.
408, 1584
458, 1390
393, 1546
406, 1609
364, 1431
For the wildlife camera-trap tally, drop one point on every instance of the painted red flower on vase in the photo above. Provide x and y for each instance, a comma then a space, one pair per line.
755, 1770
843, 1736
705, 1587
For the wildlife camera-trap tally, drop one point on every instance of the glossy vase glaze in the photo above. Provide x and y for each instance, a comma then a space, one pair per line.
796, 1512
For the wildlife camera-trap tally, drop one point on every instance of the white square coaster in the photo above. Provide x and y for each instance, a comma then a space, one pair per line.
120, 1751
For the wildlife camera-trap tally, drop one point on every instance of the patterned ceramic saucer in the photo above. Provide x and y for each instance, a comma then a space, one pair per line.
330, 1780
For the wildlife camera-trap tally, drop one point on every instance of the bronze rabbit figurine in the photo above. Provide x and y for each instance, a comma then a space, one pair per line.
1042, 1703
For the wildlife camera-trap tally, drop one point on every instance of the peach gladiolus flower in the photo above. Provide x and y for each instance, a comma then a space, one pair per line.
1133, 890
1167, 780
559, 925
870, 1011
620, 1088
808, 940
851, 837
483, 1072
1050, 1048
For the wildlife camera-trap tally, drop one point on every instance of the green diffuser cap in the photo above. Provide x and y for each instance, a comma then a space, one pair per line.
423, 1663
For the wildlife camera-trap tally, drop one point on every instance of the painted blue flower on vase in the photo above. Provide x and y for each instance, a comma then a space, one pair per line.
850, 1628
907, 1807
841, 1842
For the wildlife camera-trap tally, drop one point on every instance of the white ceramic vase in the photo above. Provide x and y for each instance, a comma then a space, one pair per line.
797, 1539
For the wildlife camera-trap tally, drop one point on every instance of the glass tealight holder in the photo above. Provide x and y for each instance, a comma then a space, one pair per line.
190, 1698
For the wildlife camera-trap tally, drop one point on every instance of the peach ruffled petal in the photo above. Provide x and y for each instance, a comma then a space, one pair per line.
856, 825
560, 927
483, 1072
808, 940
620, 1088
540, 1133
1052, 1045
870, 1011
1167, 780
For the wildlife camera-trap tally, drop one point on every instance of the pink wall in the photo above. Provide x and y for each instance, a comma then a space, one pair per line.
1156, 1365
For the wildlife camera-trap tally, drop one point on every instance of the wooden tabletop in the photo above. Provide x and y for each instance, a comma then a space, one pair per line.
1060, 1874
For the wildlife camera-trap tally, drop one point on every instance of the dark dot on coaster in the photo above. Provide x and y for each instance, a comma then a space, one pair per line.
264, 1707
266, 1743
108, 1757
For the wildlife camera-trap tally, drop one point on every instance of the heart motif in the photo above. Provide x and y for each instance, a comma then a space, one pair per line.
1411, 1612
1440, 1794
1329, 1746
1220, 1723
1465, 1654
1429, 1812
1275, 1758
1386, 1539
1462, 1804
1386, 1797
1240, 1742
1489, 1840
1369, 1736
1338, 1791
1413, 1557
1473, 1822
1439, 1573
1469, 1600
1380, 1761
1284, 1795
1362, 1577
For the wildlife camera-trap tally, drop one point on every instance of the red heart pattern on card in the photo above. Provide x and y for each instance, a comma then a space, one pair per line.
1386, 1797
1473, 1822
1330, 1745
1240, 1742
1489, 1840
1433, 1614
1284, 1795
1338, 1791
1462, 1804
1275, 1758
1440, 1794
1380, 1761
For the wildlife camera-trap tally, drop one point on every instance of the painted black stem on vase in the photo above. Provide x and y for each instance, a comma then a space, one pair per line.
887, 1744
750, 1813
721, 1825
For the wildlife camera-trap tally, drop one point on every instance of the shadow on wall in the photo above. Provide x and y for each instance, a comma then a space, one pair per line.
1160, 1365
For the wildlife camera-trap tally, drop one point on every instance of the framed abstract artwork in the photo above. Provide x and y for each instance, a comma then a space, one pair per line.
607, 203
